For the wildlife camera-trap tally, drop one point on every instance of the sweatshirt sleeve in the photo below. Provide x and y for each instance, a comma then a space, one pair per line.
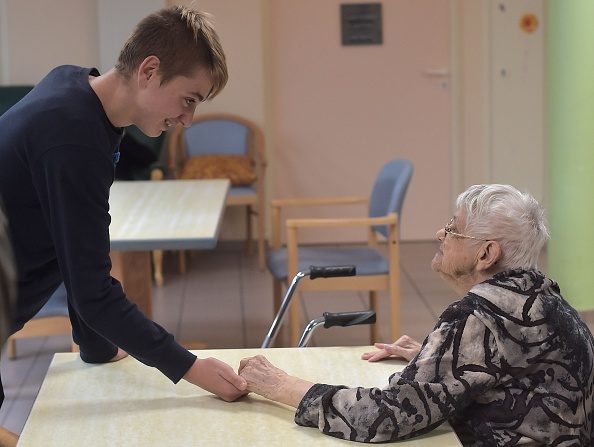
452, 368
72, 183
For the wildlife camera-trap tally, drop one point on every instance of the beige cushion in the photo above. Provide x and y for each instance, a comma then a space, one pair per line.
239, 169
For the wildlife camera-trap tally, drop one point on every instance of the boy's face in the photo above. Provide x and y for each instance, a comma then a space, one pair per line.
161, 107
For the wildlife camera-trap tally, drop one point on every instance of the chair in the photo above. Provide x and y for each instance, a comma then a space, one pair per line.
374, 272
52, 319
225, 146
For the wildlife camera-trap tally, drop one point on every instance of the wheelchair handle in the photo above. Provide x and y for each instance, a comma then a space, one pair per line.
313, 273
336, 319
348, 318
334, 271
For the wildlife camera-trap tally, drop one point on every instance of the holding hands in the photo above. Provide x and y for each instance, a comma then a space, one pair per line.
216, 377
265, 379
405, 347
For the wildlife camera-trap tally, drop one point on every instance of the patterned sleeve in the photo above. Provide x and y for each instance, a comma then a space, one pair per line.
452, 368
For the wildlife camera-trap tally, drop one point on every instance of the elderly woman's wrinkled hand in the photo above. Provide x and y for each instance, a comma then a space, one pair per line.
267, 380
262, 377
405, 347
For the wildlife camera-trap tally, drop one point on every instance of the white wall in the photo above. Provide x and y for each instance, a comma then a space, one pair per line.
3, 42
239, 25
116, 20
39, 35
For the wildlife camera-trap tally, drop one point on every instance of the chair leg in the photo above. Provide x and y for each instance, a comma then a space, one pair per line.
248, 230
158, 266
374, 328
277, 290
394, 313
182, 261
261, 240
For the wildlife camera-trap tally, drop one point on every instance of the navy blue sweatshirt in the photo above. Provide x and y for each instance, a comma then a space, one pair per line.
56, 168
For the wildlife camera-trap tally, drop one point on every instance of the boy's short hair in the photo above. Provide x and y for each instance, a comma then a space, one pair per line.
183, 39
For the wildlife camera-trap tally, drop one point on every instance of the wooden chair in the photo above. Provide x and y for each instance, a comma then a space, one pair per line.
225, 138
374, 272
51, 320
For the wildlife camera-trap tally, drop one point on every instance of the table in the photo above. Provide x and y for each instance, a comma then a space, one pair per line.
128, 404
160, 215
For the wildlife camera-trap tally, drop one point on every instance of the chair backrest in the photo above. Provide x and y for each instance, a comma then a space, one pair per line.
217, 137
216, 134
389, 191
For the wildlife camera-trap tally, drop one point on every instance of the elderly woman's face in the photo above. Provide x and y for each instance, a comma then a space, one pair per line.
456, 257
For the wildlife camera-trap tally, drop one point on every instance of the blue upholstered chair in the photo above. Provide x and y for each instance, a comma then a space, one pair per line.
374, 271
225, 146
52, 319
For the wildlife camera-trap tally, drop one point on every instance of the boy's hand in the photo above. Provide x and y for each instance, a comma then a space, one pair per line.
218, 378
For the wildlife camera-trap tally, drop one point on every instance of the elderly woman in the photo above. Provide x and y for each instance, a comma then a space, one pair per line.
7, 294
510, 363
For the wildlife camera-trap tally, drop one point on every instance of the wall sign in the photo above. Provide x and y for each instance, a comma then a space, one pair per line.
361, 23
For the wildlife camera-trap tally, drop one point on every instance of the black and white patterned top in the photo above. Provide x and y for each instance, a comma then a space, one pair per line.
510, 363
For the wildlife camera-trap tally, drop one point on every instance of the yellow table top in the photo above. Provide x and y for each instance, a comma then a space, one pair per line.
128, 404
166, 214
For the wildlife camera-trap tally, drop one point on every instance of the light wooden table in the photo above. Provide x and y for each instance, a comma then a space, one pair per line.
160, 215
128, 404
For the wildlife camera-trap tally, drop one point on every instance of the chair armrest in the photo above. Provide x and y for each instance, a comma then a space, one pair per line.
277, 205
343, 222
318, 201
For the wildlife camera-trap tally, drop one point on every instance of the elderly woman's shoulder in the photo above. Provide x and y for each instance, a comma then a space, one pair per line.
510, 291
523, 298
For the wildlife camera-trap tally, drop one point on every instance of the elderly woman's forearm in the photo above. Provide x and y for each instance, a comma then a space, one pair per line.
292, 390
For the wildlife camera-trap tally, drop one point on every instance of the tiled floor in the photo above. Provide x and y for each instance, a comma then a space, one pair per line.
225, 301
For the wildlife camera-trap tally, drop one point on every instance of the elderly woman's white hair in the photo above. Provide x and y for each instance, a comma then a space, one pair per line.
514, 219
7, 279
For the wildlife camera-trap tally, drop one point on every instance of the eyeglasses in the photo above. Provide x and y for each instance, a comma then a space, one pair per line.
448, 230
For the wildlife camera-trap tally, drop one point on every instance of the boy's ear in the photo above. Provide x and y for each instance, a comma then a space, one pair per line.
147, 70
489, 254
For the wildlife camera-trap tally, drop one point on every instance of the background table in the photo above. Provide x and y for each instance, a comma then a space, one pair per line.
160, 215
128, 404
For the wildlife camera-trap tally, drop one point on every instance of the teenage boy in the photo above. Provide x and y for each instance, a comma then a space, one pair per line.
57, 156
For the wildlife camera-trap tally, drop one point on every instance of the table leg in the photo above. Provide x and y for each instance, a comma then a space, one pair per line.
133, 270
